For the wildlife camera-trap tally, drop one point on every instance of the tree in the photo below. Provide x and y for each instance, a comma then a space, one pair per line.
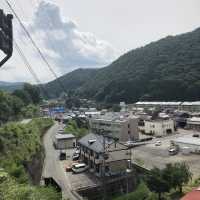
157, 183
177, 175
34, 92
23, 95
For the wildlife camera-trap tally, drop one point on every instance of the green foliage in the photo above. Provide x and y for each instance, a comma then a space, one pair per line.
30, 111
173, 176
77, 127
71, 81
157, 183
72, 101
167, 70
11, 190
21, 104
19, 142
30, 94
141, 193
177, 174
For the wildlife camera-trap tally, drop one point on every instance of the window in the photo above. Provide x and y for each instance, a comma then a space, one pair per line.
128, 125
97, 156
129, 132
91, 153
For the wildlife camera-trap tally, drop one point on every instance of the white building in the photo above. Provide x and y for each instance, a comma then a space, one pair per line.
64, 141
122, 126
158, 127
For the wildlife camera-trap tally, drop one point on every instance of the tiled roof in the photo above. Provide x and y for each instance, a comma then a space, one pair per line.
194, 195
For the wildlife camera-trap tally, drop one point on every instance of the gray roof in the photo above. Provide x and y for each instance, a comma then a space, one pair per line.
97, 146
188, 140
64, 136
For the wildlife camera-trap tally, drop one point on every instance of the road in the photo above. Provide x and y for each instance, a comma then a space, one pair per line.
52, 165
25, 121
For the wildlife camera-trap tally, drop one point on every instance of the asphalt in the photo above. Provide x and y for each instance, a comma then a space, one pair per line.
52, 166
150, 156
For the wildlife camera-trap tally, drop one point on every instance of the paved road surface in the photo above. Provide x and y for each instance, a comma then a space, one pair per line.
52, 165
25, 121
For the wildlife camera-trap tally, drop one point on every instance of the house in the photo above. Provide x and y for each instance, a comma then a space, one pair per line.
121, 125
92, 151
64, 141
194, 195
158, 127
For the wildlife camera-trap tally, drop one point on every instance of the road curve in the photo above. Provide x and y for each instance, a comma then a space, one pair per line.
52, 166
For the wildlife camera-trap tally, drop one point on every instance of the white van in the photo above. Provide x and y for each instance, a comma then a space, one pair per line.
78, 168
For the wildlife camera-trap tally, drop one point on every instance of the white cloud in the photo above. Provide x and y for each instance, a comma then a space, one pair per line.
61, 41
75, 48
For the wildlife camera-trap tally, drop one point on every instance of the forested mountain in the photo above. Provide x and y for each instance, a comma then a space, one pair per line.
70, 81
10, 87
168, 70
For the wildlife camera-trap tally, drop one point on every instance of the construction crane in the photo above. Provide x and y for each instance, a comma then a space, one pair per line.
6, 36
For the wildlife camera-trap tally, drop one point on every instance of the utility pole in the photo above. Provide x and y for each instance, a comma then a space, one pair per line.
104, 166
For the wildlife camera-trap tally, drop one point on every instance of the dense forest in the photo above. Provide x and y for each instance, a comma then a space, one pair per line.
71, 81
166, 70
22, 103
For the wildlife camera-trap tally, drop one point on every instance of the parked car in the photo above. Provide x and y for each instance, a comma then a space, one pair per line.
68, 168
196, 135
158, 143
78, 168
130, 143
173, 151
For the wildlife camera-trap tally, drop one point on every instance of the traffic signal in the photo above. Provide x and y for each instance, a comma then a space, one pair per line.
6, 35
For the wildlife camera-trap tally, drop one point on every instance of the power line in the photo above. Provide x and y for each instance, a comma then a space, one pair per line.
36, 47
27, 64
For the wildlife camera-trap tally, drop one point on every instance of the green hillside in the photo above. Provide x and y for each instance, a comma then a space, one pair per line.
10, 87
71, 81
168, 69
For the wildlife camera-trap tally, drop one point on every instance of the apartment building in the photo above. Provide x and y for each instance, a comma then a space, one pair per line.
117, 156
158, 127
122, 126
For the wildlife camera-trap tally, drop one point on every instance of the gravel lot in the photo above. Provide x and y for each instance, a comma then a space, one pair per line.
151, 156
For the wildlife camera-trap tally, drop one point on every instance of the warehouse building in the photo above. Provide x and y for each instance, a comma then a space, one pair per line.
64, 141
193, 123
192, 144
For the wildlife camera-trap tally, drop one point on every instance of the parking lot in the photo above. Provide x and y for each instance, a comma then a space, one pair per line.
150, 156
80, 180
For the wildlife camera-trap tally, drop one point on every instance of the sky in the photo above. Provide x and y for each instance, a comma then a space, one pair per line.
90, 33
